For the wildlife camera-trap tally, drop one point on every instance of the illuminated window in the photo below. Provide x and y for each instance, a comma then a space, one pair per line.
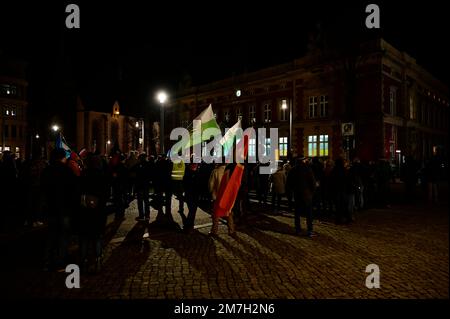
283, 146
312, 145
252, 147
323, 145
6, 89
312, 106
267, 147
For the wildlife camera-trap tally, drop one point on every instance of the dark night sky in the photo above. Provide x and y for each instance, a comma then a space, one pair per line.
127, 50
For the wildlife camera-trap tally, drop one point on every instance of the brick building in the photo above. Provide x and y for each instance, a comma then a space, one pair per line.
13, 107
393, 105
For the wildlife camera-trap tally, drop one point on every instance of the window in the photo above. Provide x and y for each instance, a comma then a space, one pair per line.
392, 100
318, 145
252, 114
412, 108
323, 145
323, 105
13, 131
7, 148
267, 113
312, 106
6, 89
267, 147
284, 111
17, 152
6, 131
283, 146
252, 147
13, 111
227, 116
204, 149
239, 114
20, 131
312, 145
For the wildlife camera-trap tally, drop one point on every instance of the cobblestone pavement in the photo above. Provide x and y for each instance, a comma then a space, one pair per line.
266, 260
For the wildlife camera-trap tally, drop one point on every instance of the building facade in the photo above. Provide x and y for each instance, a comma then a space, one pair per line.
104, 132
372, 101
13, 107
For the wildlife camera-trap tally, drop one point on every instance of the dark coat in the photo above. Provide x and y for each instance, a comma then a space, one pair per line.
302, 183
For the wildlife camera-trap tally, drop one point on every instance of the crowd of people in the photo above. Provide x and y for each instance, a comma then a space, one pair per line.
71, 194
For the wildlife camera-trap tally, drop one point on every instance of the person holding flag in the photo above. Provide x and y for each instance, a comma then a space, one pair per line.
229, 188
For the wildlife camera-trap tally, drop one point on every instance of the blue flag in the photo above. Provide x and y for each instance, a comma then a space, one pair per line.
62, 144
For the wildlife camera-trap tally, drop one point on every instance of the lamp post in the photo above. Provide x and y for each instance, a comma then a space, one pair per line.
36, 137
284, 106
162, 98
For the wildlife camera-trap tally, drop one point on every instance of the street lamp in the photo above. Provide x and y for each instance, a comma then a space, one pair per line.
55, 128
108, 142
36, 137
162, 98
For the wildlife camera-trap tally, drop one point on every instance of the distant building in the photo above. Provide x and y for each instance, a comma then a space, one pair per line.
372, 102
13, 107
104, 132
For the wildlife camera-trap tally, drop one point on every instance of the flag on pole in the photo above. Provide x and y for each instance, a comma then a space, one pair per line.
62, 144
227, 141
229, 187
207, 120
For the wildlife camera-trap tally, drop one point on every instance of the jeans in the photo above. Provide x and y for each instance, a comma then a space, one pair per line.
143, 202
306, 207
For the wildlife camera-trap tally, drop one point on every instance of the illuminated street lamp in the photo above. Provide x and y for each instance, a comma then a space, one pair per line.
284, 106
108, 142
55, 128
162, 98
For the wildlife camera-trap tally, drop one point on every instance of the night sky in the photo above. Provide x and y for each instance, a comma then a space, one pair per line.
126, 50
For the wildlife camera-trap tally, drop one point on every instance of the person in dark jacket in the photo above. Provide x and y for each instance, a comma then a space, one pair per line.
118, 176
94, 194
341, 190
191, 181
302, 183
142, 172
62, 198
